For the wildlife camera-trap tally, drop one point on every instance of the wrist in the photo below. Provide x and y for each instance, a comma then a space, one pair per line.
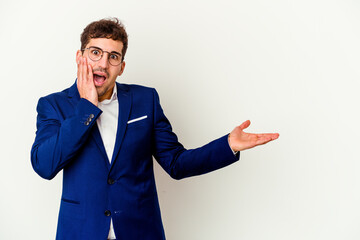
232, 149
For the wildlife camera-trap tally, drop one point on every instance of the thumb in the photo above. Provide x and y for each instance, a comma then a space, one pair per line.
245, 124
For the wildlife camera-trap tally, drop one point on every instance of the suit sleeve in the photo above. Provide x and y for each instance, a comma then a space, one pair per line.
58, 140
179, 162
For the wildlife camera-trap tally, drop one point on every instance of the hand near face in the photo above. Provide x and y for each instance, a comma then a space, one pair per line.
240, 140
85, 83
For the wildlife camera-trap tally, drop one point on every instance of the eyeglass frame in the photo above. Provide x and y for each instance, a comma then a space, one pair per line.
101, 56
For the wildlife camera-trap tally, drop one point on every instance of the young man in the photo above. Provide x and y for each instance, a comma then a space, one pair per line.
103, 135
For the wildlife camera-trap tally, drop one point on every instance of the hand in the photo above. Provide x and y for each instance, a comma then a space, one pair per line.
240, 140
85, 83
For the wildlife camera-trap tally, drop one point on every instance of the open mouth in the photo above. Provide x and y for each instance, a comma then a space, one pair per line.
99, 79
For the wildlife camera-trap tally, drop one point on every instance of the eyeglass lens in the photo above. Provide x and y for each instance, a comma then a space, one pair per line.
96, 54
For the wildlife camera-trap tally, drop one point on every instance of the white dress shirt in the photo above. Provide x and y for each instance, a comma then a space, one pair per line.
107, 123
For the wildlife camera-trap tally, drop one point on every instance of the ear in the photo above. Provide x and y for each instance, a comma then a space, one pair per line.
122, 68
78, 55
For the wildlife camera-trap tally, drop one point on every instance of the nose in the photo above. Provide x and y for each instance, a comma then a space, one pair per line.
104, 61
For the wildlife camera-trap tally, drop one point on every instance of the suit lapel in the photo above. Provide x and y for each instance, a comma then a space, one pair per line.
125, 101
95, 134
73, 95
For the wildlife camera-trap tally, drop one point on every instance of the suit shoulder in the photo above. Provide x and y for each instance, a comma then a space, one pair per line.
56, 97
135, 87
141, 93
138, 89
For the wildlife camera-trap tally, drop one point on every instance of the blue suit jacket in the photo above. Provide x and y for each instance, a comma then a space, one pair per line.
94, 190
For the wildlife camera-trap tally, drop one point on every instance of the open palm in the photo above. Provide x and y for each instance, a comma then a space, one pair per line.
240, 140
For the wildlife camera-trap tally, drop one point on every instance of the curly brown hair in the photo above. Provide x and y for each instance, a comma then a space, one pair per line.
110, 28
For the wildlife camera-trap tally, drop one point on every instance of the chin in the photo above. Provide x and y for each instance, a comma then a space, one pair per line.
100, 92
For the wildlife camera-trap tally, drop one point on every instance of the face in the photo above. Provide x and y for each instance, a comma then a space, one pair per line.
104, 74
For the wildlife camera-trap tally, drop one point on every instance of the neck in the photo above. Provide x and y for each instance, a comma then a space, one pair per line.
106, 95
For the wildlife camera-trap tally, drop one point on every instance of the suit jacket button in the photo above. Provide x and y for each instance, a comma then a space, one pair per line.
107, 213
86, 123
91, 116
111, 181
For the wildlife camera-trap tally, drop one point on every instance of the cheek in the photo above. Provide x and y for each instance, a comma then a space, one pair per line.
92, 64
119, 72
115, 73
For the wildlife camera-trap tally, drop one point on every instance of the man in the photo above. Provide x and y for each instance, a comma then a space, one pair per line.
103, 135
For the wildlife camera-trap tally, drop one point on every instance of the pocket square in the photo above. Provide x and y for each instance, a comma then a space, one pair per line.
137, 119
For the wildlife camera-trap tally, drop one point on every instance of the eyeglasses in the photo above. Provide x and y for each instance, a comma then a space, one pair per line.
96, 54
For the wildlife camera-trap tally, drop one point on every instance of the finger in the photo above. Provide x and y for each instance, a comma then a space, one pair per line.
245, 124
80, 71
267, 137
84, 70
275, 136
271, 135
78, 66
90, 73
263, 140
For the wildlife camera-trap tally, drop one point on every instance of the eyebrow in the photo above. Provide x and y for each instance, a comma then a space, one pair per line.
106, 51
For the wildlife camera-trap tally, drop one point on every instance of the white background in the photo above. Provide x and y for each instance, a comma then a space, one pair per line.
289, 66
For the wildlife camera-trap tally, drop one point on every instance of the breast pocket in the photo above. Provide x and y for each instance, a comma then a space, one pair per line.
138, 133
138, 122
